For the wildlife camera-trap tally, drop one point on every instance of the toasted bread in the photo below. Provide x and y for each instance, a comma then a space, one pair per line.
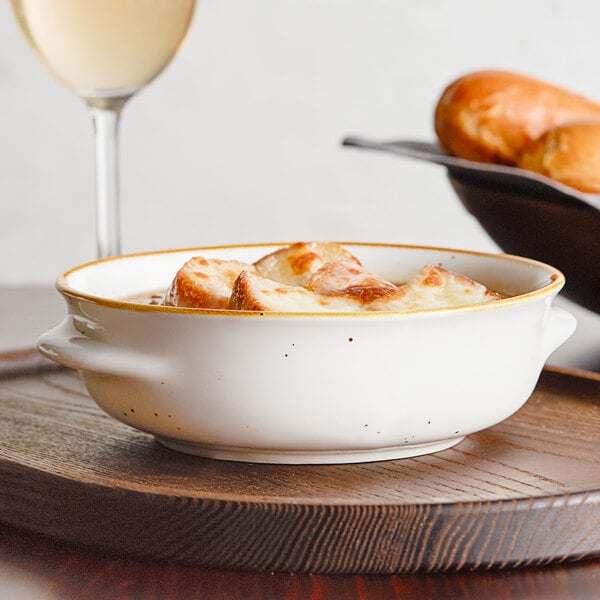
251, 292
343, 274
295, 264
435, 287
338, 285
204, 283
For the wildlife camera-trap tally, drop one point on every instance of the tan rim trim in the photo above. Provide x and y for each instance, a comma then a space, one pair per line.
556, 276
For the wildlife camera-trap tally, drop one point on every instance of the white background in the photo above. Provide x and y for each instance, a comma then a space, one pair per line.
239, 140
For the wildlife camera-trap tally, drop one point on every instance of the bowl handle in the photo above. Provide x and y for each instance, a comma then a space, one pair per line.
65, 345
560, 325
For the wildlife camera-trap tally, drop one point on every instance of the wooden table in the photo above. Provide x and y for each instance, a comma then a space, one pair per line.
33, 567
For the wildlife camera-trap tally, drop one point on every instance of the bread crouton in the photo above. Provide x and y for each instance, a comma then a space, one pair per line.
251, 292
346, 279
435, 287
341, 274
295, 264
315, 277
204, 283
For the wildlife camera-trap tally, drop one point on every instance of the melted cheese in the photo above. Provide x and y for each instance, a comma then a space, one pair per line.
204, 283
316, 277
295, 264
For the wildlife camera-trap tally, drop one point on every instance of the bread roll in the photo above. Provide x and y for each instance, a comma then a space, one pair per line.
569, 154
490, 116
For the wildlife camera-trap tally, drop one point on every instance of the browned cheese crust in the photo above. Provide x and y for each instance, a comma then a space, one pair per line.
295, 264
204, 283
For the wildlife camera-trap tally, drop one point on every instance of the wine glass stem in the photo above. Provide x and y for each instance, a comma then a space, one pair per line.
105, 116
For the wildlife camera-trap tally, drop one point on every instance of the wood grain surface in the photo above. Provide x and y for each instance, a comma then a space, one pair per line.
37, 568
25, 360
526, 492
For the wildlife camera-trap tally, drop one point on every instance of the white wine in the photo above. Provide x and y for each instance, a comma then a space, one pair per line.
105, 48
105, 51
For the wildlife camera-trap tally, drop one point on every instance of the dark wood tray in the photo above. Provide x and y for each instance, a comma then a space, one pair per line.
525, 492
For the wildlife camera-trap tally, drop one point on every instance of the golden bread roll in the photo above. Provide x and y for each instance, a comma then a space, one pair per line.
569, 154
491, 116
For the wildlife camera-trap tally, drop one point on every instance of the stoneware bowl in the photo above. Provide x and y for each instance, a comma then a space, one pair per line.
309, 388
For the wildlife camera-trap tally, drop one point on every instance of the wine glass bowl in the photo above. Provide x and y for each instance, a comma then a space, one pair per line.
105, 51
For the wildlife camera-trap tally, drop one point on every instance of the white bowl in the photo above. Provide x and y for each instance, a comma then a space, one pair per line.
309, 388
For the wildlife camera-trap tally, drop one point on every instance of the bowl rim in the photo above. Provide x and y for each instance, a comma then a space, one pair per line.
557, 281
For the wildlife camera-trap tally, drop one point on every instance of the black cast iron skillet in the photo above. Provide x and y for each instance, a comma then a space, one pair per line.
523, 212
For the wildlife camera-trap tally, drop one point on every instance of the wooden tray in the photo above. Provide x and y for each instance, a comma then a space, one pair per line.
525, 492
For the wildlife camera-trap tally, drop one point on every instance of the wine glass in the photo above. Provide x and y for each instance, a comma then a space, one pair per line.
105, 51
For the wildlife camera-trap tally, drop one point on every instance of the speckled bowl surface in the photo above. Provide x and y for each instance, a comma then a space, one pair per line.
309, 387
